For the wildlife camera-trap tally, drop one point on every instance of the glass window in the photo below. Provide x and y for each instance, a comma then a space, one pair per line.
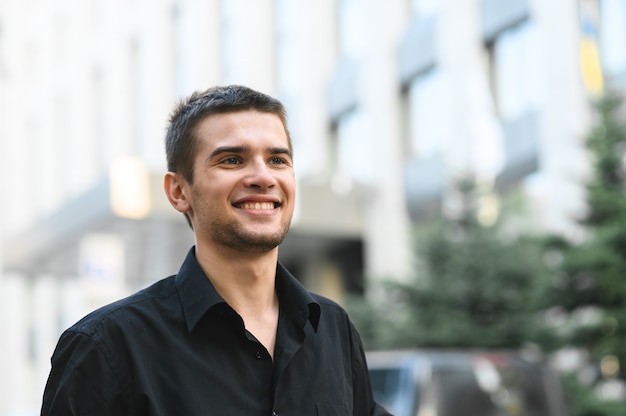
289, 42
182, 48
291, 70
394, 389
425, 7
515, 390
354, 150
428, 114
351, 33
516, 71
232, 36
613, 36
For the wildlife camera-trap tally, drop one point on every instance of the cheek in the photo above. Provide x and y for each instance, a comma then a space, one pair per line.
289, 184
205, 196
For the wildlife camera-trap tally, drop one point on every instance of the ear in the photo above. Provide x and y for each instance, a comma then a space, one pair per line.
176, 189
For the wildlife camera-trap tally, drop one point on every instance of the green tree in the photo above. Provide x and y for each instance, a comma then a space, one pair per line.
472, 288
589, 277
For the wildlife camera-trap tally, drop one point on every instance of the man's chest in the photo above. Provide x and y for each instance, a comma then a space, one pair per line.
232, 374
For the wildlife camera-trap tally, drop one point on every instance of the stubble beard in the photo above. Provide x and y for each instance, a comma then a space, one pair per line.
233, 235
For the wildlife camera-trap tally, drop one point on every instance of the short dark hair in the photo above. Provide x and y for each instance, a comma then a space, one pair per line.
180, 141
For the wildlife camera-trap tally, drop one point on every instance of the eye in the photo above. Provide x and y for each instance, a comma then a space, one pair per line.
232, 160
277, 161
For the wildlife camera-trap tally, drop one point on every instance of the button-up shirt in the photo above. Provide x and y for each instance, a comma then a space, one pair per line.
177, 348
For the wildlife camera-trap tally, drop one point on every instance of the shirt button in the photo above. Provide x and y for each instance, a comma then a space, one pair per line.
274, 414
258, 356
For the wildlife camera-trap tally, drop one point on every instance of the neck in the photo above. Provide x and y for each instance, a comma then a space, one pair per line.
246, 281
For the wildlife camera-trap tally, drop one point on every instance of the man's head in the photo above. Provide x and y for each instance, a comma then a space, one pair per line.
181, 143
231, 169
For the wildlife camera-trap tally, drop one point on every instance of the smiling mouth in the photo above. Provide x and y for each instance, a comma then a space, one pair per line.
259, 205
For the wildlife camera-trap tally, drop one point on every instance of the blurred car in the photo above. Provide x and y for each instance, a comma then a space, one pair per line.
464, 383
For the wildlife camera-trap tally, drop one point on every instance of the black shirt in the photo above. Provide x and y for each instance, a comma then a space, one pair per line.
177, 348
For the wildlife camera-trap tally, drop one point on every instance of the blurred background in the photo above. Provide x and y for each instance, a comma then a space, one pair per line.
441, 148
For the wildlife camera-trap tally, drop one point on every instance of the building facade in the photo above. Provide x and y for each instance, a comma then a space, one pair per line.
389, 103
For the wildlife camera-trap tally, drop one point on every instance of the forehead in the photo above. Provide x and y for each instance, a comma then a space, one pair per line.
249, 127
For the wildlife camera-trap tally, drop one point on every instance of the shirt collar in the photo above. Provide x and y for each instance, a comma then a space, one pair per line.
295, 299
198, 295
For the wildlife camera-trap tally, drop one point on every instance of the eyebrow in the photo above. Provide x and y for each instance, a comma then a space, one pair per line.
243, 149
227, 149
279, 151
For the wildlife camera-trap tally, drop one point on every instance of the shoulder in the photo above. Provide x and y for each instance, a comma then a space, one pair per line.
99, 343
335, 324
328, 304
332, 313
123, 311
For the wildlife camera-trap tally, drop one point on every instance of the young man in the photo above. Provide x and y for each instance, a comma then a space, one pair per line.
233, 332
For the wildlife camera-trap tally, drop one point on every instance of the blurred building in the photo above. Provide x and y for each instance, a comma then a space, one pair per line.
389, 103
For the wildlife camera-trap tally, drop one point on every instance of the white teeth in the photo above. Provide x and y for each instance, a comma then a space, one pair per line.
258, 205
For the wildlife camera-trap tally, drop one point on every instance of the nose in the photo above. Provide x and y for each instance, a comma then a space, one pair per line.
259, 175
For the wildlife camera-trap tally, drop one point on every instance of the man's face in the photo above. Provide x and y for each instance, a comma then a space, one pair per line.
243, 192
